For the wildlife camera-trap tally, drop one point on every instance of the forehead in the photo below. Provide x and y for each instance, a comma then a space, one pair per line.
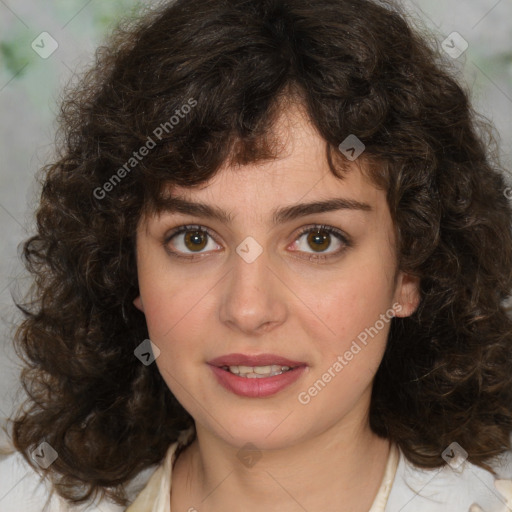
297, 182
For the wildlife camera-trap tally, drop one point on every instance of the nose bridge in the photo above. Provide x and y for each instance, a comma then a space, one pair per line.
251, 296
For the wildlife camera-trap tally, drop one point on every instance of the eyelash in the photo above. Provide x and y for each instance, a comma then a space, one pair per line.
340, 235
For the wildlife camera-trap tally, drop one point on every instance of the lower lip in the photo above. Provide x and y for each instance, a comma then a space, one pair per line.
259, 387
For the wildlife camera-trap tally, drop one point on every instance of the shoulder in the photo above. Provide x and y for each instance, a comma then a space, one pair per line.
154, 497
456, 487
23, 488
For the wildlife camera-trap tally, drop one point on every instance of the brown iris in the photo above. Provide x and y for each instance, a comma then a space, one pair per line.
196, 240
316, 238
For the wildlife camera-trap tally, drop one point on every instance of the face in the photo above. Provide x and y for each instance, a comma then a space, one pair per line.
312, 289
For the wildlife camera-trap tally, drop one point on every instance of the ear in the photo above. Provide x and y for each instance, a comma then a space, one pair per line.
407, 294
137, 302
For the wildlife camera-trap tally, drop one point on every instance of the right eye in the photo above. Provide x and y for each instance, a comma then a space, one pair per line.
191, 238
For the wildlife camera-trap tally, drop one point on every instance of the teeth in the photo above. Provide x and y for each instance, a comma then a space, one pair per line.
257, 372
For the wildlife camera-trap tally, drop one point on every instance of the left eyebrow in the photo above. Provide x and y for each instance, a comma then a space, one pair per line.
279, 216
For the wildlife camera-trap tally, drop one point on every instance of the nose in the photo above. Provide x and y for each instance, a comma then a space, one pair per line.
253, 297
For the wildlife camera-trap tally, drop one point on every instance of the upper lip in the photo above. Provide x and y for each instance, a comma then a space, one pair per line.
259, 360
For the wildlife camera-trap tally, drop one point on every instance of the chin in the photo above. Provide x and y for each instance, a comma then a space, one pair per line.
266, 432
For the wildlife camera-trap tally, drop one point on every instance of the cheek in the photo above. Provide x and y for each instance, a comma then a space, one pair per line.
352, 350
174, 309
350, 306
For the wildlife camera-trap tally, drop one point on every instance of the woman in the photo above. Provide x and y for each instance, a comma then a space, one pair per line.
271, 263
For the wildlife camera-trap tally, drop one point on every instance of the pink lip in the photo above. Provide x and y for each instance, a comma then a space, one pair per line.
256, 388
260, 360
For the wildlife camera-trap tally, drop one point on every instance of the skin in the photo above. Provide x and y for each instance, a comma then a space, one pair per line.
314, 456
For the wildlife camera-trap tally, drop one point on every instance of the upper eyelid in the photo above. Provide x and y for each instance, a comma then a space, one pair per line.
188, 227
334, 230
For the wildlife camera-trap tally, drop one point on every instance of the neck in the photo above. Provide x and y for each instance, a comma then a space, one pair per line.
342, 465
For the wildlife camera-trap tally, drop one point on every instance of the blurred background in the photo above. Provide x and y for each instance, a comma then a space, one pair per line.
42, 44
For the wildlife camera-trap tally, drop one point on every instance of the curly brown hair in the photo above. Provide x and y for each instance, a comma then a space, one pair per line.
447, 371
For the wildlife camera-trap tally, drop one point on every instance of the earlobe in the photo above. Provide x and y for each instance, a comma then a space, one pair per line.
137, 302
408, 294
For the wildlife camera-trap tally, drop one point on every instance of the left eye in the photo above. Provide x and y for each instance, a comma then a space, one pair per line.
319, 238
197, 239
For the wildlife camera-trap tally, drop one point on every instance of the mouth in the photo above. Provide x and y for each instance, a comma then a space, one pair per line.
262, 364
256, 376
258, 372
